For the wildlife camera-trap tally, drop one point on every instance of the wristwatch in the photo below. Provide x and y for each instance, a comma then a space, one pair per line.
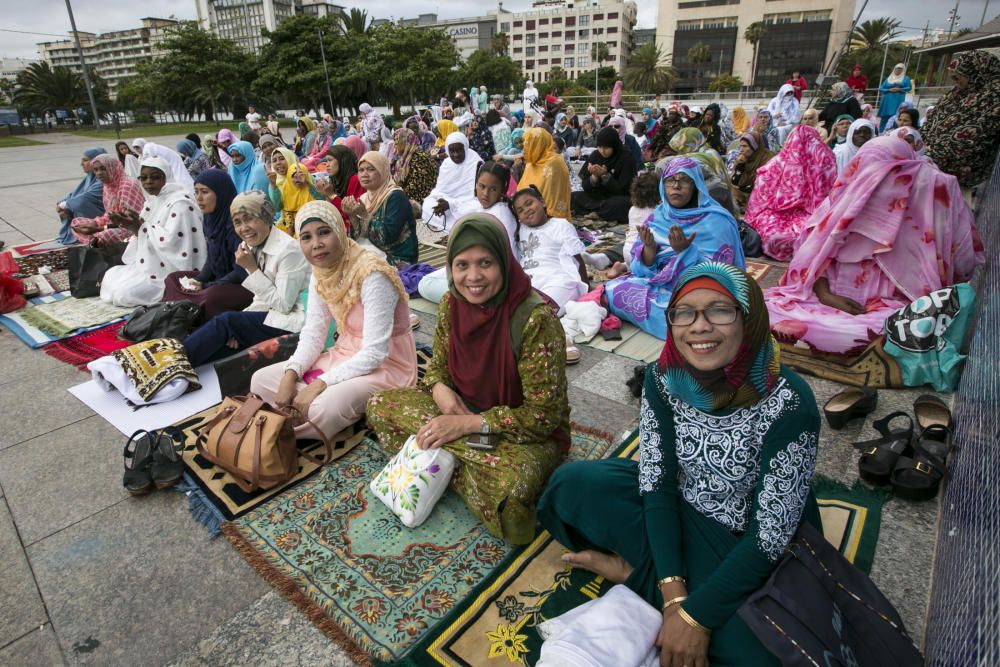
484, 426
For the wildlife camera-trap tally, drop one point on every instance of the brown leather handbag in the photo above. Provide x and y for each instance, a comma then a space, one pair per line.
255, 443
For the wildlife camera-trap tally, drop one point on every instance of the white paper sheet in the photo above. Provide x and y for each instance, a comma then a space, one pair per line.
112, 406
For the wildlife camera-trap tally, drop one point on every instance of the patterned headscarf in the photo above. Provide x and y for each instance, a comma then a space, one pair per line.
401, 163
753, 372
340, 285
255, 203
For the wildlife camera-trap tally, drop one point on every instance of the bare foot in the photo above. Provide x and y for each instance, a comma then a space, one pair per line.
610, 566
617, 269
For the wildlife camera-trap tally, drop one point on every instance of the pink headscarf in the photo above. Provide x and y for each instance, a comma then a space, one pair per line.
788, 189
357, 146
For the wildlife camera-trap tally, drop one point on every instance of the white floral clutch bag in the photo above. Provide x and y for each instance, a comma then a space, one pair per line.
413, 481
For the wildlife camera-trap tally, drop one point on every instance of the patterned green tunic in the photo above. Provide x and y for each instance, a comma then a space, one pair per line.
500, 486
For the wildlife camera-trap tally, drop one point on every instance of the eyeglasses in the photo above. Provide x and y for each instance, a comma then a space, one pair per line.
718, 315
676, 182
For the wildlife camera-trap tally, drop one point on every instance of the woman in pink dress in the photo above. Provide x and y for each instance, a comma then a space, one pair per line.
321, 143
894, 228
788, 189
366, 300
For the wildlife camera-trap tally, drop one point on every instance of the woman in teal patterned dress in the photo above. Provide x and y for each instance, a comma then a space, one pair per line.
727, 450
382, 216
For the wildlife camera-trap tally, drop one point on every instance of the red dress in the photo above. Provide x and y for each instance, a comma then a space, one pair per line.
355, 190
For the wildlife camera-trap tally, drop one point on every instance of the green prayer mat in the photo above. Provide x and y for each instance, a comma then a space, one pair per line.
368, 582
498, 620
59, 318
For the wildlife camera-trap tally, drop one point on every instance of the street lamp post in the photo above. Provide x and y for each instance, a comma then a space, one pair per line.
83, 66
326, 74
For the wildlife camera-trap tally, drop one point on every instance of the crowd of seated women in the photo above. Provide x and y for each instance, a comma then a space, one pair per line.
868, 218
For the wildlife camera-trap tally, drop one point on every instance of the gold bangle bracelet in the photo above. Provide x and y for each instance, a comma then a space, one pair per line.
670, 580
690, 621
675, 600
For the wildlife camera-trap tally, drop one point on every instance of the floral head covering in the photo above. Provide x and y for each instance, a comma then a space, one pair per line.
255, 203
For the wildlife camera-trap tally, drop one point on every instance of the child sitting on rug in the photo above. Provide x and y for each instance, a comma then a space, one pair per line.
645, 195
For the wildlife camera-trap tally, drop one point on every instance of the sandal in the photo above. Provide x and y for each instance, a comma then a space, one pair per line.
880, 456
138, 458
168, 466
414, 321
850, 404
918, 477
572, 353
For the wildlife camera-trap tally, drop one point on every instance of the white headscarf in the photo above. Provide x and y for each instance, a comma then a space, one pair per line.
846, 151
457, 181
892, 78
157, 163
178, 172
786, 105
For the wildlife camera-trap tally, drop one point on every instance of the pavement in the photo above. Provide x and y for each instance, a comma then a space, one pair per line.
92, 576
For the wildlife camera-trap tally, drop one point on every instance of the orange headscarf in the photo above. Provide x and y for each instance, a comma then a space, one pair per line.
546, 170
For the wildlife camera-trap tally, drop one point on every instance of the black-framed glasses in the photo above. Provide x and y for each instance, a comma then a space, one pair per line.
718, 315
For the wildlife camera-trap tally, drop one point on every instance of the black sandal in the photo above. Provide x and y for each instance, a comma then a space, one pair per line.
850, 404
919, 477
168, 466
138, 458
880, 456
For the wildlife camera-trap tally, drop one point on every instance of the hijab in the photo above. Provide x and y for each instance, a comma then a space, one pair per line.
456, 182
840, 92
836, 138
908, 133
356, 145
242, 174
340, 285
290, 160
90, 188
758, 158
481, 140
178, 172
691, 142
444, 128
895, 79
740, 121
846, 151
754, 371
608, 137
347, 163
481, 359
220, 235
189, 149
374, 199
254, 202
411, 143
546, 169
120, 192
786, 104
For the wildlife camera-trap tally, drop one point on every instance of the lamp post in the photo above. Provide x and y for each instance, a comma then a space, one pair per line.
83, 66
326, 73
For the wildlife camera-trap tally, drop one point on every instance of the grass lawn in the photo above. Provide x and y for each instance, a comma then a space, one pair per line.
12, 142
164, 129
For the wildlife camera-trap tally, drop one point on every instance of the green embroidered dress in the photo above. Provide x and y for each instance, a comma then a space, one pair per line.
714, 497
500, 486
393, 229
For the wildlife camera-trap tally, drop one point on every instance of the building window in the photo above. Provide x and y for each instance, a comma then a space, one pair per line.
543, 61
583, 61
531, 38
530, 51
568, 62
543, 48
570, 36
543, 35
598, 31
584, 20
556, 48
598, 17
518, 38
518, 24
557, 19
517, 50
612, 31
570, 21
543, 21
570, 48
612, 16
583, 34
529, 64
557, 34
530, 25
505, 27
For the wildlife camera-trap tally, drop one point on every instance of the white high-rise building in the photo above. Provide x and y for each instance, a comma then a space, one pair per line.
242, 20
560, 33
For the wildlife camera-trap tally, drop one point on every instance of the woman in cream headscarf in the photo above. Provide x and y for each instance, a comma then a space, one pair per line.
893, 91
382, 218
375, 350
546, 170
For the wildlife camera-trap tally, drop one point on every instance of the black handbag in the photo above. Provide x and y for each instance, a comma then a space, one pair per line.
170, 319
750, 240
818, 608
87, 266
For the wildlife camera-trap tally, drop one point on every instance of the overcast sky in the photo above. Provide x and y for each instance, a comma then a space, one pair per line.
49, 16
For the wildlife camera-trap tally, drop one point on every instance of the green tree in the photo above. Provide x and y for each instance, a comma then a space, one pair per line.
754, 33
500, 43
355, 21
6, 91
40, 87
606, 78
873, 34
647, 71
725, 83
291, 70
434, 50
698, 55
496, 72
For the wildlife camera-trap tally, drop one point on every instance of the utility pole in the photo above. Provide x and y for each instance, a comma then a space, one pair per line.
923, 43
83, 66
985, 7
953, 14
326, 74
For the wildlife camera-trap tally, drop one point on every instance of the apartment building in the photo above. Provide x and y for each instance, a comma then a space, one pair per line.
113, 55
468, 34
11, 67
242, 20
560, 33
801, 35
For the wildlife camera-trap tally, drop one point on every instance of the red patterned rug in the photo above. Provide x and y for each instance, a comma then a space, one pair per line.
81, 350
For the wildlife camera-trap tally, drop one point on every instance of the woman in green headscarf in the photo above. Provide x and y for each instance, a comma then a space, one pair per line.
497, 374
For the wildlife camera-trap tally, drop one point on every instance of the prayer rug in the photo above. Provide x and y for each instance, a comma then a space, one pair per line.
37, 247
56, 260
30, 335
433, 254
872, 367
59, 318
499, 619
82, 349
369, 583
757, 270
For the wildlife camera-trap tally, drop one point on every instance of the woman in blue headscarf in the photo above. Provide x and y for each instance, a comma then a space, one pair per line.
687, 228
195, 159
85, 201
246, 170
217, 287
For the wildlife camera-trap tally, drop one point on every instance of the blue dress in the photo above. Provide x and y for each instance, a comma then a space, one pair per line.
642, 297
891, 101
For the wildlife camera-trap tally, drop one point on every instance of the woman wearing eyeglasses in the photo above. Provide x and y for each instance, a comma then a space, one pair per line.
687, 228
727, 448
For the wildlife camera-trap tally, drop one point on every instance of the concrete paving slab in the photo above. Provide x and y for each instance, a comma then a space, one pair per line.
62, 477
39, 648
594, 411
271, 632
139, 583
37, 404
21, 608
18, 361
608, 377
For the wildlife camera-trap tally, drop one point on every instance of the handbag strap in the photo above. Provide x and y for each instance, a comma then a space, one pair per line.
326, 446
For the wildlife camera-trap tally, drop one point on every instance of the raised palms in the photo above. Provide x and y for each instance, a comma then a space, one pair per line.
647, 72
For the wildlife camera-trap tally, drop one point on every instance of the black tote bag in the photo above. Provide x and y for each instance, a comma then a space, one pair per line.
87, 266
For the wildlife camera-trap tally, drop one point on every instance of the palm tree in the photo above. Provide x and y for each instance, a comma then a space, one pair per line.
754, 33
356, 21
500, 43
40, 87
647, 71
697, 55
872, 35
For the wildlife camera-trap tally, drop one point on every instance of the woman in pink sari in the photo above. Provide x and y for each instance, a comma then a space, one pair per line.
322, 142
788, 189
894, 228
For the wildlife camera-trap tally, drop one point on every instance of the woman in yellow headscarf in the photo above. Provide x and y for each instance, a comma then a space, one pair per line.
546, 170
291, 188
740, 121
